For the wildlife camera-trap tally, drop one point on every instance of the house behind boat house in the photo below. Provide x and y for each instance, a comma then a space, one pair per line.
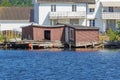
71, 13
66, 34
13, 18
103, 14
51, 12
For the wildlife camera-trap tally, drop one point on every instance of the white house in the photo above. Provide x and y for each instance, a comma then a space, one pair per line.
13, 18
94, 13
51, 12
104, 14
110, 13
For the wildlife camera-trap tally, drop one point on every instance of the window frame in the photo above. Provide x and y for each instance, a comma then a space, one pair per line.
74, 8
110, 9
53, 8
92, 23
91, 9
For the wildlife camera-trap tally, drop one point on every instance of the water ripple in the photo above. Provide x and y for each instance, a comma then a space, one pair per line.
61, 65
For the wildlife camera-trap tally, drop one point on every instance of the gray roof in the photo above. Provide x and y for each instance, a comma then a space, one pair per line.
77, 27
74, 1
43, 26
82, 27
16, 13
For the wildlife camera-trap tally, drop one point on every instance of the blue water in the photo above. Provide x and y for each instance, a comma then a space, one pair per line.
59, 65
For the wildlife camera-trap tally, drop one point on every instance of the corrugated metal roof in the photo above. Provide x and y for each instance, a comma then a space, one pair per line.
16, 13
75, 1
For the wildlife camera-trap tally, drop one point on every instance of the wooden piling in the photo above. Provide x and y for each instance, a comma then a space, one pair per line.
30, 46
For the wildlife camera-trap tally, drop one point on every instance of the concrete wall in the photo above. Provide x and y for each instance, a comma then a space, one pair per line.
13, 26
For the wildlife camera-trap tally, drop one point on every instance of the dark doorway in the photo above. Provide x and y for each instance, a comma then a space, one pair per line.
47, 34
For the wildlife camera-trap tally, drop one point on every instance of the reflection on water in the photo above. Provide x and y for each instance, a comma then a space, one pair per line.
60, 65
73, 49
86, 49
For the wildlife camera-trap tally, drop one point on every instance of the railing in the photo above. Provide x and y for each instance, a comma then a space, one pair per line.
61, 15
90, 15
111, 15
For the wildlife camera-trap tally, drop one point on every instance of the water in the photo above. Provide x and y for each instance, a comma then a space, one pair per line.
59, 65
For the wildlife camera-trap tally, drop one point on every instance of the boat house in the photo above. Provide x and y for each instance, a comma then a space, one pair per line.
66, 34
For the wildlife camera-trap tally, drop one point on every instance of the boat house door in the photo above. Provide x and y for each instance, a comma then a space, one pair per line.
47, 35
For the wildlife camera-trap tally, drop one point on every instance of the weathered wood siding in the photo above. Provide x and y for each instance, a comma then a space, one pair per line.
86, 36
57, 34
27, 33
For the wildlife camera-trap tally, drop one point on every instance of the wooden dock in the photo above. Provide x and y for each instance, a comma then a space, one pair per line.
89, 45
45, 45
34, 45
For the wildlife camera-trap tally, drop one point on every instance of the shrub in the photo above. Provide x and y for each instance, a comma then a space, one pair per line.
112, 34
1, 38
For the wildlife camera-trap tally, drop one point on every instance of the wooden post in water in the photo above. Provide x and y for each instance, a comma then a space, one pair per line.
30, 45
85, 45
93, 44
39, 46
70, 45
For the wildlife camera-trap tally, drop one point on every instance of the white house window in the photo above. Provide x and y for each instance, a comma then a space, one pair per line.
91, 10
92, 23
53, 8
74, 21
110, 9
74, 8
111, 24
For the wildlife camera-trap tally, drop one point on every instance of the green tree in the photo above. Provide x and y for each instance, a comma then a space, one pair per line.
1, 38
112, 34
5, 3
8, 3
118, 30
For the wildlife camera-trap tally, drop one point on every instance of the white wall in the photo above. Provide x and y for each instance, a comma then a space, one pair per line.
98, 17
109, 0
101, 23
42, 13
44, 10
13, 26
68, 7
43, 17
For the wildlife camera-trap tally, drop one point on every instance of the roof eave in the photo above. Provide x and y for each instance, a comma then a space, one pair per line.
69, 1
